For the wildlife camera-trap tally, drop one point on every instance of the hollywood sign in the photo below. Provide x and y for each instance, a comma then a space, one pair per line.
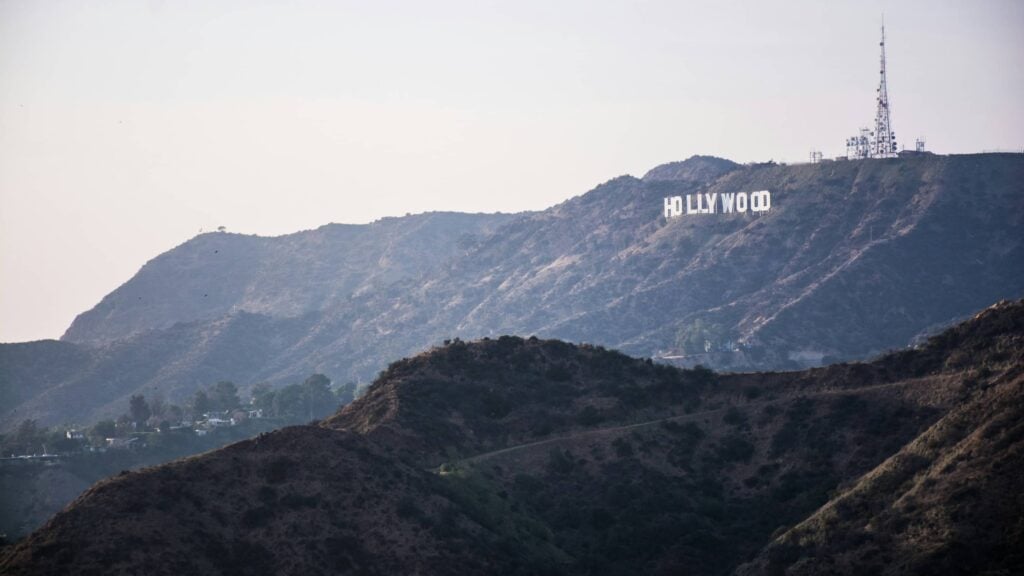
715, 203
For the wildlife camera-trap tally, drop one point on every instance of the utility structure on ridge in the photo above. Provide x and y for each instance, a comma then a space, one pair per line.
885, 139
880, 143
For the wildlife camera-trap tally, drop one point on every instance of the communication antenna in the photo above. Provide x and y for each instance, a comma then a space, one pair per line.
884, 145
880, 142
859, 147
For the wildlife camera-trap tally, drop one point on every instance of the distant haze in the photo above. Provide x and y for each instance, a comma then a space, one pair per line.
126, 127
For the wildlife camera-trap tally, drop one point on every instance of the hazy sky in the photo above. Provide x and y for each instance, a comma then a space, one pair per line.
125, 127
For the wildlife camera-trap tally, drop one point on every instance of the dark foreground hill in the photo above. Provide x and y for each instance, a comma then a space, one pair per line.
535, 456
884, 249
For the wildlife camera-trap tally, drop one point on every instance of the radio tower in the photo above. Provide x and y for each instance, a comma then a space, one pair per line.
884, 145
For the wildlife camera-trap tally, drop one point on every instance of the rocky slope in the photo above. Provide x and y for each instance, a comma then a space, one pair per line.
216, 274
884, 249
536, 456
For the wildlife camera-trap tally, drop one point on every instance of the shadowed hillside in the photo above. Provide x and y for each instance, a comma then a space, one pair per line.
530, 456
296, 501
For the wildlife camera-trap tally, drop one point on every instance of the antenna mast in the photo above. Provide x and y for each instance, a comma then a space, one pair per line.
884, 145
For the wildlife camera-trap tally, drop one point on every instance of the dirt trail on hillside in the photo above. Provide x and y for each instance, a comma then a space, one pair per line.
680, 418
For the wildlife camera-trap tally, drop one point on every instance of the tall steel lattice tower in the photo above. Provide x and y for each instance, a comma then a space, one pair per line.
884, 144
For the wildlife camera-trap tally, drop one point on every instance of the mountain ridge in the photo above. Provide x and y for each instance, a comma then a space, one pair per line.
222, 272
389, 483
885, 248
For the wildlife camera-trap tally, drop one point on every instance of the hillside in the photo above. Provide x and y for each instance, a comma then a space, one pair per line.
947, 502
887, 249
531, 456
217, 308
215, 274
301, 500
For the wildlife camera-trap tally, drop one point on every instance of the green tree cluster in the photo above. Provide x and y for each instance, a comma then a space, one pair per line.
310, 400
29, 438
217, 398
139, 410
693, 337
